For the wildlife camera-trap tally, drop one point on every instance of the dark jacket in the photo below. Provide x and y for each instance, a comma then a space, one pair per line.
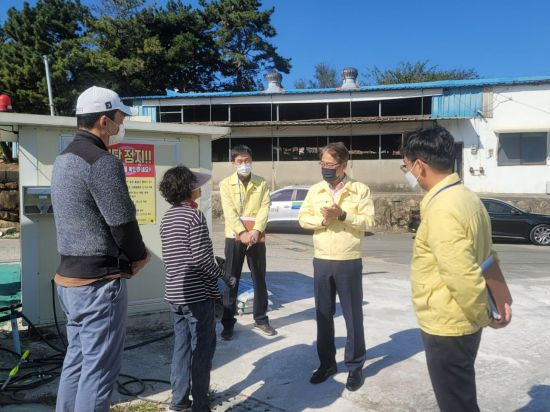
95, 219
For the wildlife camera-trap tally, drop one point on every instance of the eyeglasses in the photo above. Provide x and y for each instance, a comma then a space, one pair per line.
329, 165
404, 167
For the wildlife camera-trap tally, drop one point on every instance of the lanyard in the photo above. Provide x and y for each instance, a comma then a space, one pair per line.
241, 193
441, 190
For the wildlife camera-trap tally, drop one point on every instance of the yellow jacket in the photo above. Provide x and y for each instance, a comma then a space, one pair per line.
339, 240
238, 201
453, 239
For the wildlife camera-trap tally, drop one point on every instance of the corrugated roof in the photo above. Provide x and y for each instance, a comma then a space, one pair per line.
444, 84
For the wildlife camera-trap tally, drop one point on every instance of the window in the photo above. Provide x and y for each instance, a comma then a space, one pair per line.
522, 149
390, 146
169, 114
365, 109
366, 147
302, 111
282, 196
344, 139
497, 207
339, 110
253, 113
300, 148
220, 150
260, 146
301, 194
406, 107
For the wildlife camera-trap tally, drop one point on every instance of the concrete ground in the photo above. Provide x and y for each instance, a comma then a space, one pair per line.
254, 372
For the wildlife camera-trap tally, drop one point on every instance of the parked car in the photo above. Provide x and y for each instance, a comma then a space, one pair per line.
284, 207
509, 222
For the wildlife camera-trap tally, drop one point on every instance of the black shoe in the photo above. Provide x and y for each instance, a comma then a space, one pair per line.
266, 329
355, 380
322, 374
227, 333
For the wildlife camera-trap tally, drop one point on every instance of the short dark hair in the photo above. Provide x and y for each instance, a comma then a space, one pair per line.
177, 184
88, 120
338, 150
240, 150
434, 146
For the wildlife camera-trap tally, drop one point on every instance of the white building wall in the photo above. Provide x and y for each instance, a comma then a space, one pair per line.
515, 109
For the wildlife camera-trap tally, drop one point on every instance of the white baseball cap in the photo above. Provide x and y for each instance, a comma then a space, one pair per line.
97, 99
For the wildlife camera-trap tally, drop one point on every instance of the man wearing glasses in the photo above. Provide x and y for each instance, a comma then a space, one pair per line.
339, 210
448, 289
245, 204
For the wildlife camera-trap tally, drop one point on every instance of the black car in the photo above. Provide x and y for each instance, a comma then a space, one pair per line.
507, 222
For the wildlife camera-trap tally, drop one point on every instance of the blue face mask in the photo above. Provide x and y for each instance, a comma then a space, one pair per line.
328, 174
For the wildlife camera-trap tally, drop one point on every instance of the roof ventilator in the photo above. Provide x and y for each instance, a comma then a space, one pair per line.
274, 79
349, 76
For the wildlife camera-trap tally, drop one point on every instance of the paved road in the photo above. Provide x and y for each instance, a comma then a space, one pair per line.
253, 372
519, 259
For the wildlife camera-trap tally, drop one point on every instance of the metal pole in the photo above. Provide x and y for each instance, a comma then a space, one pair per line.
50, 97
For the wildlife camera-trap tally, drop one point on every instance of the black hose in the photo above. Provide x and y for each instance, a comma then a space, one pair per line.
46, 341
21, 383
123, 390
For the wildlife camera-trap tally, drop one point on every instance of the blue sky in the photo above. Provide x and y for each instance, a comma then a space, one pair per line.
497, 38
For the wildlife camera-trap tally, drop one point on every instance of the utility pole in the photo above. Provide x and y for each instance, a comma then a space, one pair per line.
50, 97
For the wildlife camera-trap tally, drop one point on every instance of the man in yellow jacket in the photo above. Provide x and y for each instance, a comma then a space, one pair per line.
448, 290
245, 204
339, 210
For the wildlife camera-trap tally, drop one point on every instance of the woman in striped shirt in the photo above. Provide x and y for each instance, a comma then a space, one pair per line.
191, 287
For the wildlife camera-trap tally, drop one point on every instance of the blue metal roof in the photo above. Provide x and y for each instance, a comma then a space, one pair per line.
171, 94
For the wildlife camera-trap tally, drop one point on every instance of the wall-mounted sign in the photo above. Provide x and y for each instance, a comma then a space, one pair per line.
139, 166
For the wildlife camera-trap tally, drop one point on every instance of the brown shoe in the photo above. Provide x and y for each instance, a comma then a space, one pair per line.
266, 329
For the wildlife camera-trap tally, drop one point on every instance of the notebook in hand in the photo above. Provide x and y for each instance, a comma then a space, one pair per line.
248, 223
498, 291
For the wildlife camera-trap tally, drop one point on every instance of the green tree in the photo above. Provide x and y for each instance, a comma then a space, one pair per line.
324, 77
51, 27
423, 71
152, 49
242, 33
118, 8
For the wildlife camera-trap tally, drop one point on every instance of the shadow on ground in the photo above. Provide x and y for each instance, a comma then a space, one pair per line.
540, 399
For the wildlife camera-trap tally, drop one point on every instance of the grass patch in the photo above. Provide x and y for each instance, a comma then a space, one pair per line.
138, 407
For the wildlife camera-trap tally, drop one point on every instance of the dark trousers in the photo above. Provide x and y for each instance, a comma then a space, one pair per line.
451, 366
235, 253
344, 277
194, 346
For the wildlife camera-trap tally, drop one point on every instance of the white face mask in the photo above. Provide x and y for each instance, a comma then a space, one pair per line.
244, 169
412, 180
117, 138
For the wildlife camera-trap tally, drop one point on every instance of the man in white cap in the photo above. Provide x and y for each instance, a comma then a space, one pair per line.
100, 245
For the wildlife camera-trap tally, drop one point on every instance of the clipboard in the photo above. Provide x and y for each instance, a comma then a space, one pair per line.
249, 223
497, 289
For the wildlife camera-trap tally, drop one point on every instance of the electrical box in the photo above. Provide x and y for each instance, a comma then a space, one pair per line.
37, 200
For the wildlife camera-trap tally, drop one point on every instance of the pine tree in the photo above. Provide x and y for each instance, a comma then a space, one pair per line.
51, 27
242, 33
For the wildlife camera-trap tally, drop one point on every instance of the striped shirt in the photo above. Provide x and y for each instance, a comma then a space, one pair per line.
191, 271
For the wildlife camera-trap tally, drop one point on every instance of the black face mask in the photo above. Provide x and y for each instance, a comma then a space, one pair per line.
328, 174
